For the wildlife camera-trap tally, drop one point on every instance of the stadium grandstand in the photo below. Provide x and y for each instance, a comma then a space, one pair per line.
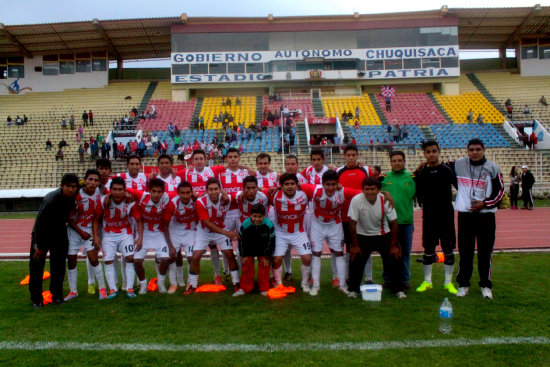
357, 77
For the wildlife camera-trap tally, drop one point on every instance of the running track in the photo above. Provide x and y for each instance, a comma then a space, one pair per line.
516, 229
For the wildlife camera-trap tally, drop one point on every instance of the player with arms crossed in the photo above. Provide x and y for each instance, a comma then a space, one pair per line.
79, 233
211, 210
117, 234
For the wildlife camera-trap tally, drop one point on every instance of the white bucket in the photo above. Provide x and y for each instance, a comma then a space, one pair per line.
371, 292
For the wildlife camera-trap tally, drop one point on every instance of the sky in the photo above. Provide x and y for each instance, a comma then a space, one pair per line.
48, 11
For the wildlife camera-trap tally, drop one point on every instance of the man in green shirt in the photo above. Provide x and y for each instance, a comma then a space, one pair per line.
401, 185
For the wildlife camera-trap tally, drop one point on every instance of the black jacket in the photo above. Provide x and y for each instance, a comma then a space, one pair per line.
257, 240
527, 180
50, 226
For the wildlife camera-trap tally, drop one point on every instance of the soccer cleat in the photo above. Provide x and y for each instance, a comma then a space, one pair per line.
189, 291
181, 284
130, 293
102, 293
263, 294
288, 276
424, 286
162, 287
401, 295
314, 291
236, 287
71, 295
450, 288
238, 293
352, 294
305, 287
143, 288
487, 293
369, 281
112, 294
172, 289
218, 280
343, 290
335, 282
462, 291
40, 305
59, 301
91, 288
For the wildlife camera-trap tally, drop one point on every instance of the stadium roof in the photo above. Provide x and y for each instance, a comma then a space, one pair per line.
147, 38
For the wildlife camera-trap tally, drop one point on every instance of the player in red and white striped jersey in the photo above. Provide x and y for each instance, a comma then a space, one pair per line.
314, 173
248, 197
182, 232
165, 163
79, 233
117, 235
326, 225
134, 179
211, 210
232, 183
266, 178
290, 208
156, 213
199, 174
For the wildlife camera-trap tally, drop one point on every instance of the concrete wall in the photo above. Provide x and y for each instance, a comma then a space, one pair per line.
55, 83
535, 67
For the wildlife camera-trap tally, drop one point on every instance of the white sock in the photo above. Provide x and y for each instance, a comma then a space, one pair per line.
98, 272
157, 266
89, 269
179, 275
368, 270
342, 267
239, 261
428, 273
287, 260
161, 279
235, 276
172, 274
72, 275
110, 275
215, 257
115, 267
194, 280
142, 283
123, 271
278, 275
449, 269
225, 264
130, 276
315, 270
333, 266
306, 273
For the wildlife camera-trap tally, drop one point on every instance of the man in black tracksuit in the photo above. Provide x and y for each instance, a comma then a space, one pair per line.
434, 182
50, 234
527, 182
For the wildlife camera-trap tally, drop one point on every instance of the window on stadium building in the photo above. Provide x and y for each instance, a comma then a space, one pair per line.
99, 64
529, 52
50, 68
3, 72
218, 68
449, 62
83, 66
544, 52
234, 68
412, 63
66, 67
180, 68
254, 68
199, 69
344, 65
430, 63
393, 64
16, 71
375, 65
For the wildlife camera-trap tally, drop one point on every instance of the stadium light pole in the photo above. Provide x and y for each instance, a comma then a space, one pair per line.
282, 146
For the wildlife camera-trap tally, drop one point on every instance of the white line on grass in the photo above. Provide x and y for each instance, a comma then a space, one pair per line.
279, 347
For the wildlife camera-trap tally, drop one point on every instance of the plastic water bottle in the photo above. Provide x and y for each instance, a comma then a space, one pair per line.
445, 316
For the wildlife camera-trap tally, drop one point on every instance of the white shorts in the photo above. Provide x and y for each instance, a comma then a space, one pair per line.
183, 239
232, 220
123, 243
203, 239
153, 241
76, 242
331, 232
299, 240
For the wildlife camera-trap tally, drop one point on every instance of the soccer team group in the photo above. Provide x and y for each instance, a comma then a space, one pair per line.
247, 213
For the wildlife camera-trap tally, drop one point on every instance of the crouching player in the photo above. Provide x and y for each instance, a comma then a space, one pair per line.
117, 234
326, 225
290, 209
211, 210
182, 232
257, 239
156, 211
79, 233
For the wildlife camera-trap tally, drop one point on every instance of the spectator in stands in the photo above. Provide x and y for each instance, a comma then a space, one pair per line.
120, 150
353, 141
524, 139
404, 131
99, 139
25, 119
395, 134
228, 102
63, 122
153, 111
345, 141
201, 123
59, 154
509, 111
312, 140
344, 116
223, 102
171, 130
526, 111
80, 131
508, 102
48, 145
388, 103
81, 153
543, 102
105, 148
238, 102
8, 121
18, 121
94, 150
515, 179
480, 119
155, 141
177, 141
286, 111
135, 111
91, 118
163, 147
533, 140
527, 182
141, 149
77, 138
357, 112
85, 119
149, 147
471, 116
62, 143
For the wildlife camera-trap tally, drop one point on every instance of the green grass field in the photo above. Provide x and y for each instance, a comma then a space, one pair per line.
520, 309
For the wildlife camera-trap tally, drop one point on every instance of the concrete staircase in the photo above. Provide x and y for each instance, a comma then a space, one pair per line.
485, 92
378, 109
440, 108
147, 96
318, 107
259, 108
